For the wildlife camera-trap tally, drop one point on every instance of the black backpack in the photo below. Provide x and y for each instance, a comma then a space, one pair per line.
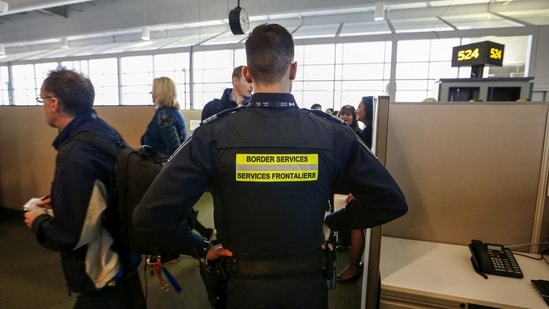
135, 170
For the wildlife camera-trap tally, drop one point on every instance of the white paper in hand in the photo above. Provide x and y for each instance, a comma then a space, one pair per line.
31, 206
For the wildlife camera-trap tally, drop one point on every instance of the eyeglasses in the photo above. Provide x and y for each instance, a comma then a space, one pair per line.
41, 100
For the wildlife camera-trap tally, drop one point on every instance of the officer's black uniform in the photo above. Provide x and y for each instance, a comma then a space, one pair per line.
270, 168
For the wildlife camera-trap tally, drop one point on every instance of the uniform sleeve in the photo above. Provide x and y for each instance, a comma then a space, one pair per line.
160, 216
378, 198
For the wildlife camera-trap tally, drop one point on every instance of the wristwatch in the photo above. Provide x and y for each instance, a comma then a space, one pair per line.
239, 21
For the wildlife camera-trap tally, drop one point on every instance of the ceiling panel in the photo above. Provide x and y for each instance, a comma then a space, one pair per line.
420, 25
316, 31
226, 37
107, 26
364, 28
480, 21
538, 18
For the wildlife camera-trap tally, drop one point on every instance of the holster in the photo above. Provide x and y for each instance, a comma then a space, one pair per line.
331, 257
215, 280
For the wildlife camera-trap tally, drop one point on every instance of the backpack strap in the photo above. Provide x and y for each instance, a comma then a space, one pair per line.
101, 143
114, 151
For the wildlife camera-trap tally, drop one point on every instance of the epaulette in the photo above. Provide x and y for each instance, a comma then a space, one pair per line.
222, 114
324, 115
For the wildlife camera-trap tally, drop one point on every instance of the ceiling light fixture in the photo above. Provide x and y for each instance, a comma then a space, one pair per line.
2, 49
64, 42
3, 7
379, 13
145, 33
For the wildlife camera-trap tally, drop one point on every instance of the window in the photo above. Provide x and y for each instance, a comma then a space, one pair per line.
331, 74
104, 76
176, 67
420, 63
4, 86
80, 66
24, 85
315, 74
212, 75
362, 69
136, 80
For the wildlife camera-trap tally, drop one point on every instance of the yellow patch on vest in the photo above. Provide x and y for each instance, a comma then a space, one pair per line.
276, 167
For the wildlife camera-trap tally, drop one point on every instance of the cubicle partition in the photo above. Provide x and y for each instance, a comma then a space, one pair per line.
469, 171
27, 157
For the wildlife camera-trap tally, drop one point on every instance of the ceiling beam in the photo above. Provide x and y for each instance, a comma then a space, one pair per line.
62, 11
17, 7
515, 20
447, 23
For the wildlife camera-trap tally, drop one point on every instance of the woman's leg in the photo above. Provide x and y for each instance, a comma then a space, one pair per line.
352, 272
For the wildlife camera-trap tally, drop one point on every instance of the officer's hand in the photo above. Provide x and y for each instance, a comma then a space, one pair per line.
326, 230
217, 251
349, 198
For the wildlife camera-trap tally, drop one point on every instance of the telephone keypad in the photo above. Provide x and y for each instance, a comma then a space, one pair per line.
504, 263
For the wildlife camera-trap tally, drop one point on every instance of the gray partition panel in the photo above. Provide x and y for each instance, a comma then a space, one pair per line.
467, 170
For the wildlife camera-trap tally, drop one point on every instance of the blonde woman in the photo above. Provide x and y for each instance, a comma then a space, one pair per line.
167, 128
165, 132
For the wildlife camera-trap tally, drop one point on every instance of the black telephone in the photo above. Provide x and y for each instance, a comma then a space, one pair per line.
493, 259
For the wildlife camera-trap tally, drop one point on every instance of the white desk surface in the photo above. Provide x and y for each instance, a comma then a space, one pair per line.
445, 271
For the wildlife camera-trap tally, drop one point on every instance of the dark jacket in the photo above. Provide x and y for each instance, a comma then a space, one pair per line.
270, 169
77, 231
366, 135
166, 130
218, 105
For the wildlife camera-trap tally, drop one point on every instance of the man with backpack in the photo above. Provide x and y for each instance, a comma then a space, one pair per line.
82, 229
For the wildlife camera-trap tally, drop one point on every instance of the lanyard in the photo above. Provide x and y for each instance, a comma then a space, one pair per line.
276, 104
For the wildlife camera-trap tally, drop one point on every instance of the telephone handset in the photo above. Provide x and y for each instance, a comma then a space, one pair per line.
493, 259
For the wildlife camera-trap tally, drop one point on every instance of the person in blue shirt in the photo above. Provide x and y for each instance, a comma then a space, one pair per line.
239, 95
165, 133
167, 128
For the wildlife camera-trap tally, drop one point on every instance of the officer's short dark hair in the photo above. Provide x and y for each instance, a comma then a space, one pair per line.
269, 52
73, 90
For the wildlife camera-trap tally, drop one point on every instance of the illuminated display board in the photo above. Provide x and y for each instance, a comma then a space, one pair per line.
478, 54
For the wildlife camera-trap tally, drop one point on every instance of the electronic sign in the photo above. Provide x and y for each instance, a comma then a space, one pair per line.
478, 54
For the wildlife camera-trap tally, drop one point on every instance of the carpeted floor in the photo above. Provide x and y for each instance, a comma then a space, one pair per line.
31, 276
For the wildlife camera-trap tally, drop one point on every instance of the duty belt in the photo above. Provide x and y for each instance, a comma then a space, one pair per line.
235, 266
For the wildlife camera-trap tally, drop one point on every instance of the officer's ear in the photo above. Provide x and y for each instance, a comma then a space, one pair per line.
293, 70
246, 74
